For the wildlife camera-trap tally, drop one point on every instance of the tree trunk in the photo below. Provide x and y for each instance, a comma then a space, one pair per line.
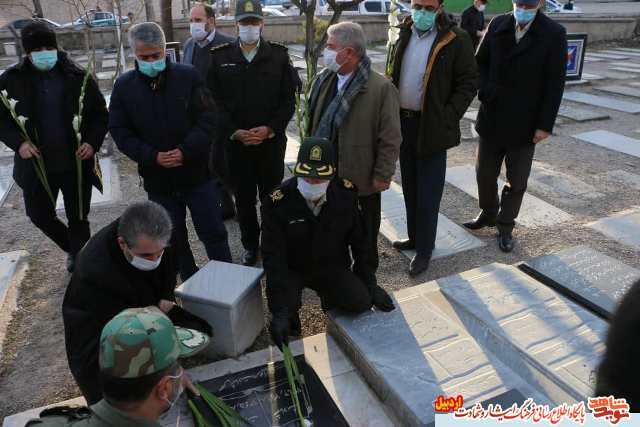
148, 10
37, 8
166, 17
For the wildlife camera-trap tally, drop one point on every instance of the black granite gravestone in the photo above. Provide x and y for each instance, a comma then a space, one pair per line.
590, 278
262, 396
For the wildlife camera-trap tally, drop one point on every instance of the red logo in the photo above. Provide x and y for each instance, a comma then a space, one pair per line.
451, 404
613, 410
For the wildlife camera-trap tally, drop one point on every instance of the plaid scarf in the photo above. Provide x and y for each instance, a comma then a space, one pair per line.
337, 111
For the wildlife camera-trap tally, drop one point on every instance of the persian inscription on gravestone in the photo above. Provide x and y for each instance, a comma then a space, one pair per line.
262, 395
589, 277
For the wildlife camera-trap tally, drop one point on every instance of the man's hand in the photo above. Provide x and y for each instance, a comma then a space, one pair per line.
85, 151
187, 384
165, 305
382, 300
246, 137
279, 329
261, 132
380, 186
540, 135
170, 159
27, 150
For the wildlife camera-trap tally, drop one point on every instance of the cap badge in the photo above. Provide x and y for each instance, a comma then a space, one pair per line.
316, 153
248, 6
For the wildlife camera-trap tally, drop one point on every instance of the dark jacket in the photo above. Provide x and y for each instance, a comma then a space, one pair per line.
174, 110
18, 81
293, 239
103, 284
190, 44
252, 94
472, 21
521, 85
450, 84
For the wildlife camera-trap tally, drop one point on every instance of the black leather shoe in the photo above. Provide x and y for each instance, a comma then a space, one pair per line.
419, 264
295, 326
250, 257
506, 241
71, 263
404, 245
481, 221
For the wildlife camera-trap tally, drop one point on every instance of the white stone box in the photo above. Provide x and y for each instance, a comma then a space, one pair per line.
229, 297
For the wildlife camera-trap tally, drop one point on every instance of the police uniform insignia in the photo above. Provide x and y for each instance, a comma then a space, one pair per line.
347, 183
276, 195
316, 153
248, 7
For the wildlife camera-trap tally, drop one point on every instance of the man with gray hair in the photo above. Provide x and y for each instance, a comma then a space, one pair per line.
161, 116
358, 110
126, 264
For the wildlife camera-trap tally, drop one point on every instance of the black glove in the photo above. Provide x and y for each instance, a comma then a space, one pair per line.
279, 329
381, 299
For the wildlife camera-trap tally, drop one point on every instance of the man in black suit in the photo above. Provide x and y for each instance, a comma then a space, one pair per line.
522, 61
472, 21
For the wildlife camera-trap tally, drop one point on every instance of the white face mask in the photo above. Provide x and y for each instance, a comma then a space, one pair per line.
179, 393
312, 192
144, 264
330, 61
249, 34
198, 30
481, 8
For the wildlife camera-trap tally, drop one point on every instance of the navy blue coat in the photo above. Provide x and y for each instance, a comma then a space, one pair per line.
148, 116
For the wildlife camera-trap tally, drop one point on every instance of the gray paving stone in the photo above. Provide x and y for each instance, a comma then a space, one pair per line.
110, 183
602, 101
580, 114
612, 141
6, 182
623, 227
594, 280
606, 56
450, 237
534, 213
229, 297
547, 339
620, 90
563, 186
623, 177
416, 353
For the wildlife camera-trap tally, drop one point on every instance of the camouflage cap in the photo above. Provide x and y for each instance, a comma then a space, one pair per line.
143, 341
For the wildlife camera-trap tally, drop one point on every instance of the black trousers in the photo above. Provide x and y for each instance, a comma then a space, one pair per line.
42, 213
504, 209
371, 215
255, 171
338, 288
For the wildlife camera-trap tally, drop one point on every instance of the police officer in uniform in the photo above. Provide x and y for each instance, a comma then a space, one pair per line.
142, 379
253, 83
310, 224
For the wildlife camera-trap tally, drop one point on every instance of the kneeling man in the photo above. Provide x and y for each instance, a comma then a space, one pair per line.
313, 236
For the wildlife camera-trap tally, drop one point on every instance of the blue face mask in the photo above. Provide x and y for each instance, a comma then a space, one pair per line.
524, 16
151, 68
44, 60
423, 19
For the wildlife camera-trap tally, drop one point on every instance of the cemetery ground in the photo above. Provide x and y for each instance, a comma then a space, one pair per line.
578, 178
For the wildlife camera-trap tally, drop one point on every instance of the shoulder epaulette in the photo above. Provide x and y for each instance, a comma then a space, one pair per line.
276, 195
278, 44
219, 46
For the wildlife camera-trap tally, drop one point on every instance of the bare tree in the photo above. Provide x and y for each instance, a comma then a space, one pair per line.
166, 18
82, 8
37, 9
148, 10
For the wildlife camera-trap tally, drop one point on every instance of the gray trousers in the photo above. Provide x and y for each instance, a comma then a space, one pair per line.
518, 159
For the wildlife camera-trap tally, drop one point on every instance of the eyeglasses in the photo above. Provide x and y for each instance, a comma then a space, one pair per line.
426, 8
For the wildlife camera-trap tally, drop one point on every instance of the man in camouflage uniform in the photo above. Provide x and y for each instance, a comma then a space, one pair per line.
141, 376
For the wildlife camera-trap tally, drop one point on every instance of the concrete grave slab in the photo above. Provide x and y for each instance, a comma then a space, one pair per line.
606, 56
450, 237
588, 277
623, 227
580, 114
617, 75
110, 183
628, 49
626, 69
550, 341
109, 64
106, 75
5, 151
547, 180
612, 141
590, 59
625, 64
602, 101
354, 399
620, 51
623, 177
589, 76
620, 90
420, 351
6, 182
291, 153
577, 82
534, 213
13, 266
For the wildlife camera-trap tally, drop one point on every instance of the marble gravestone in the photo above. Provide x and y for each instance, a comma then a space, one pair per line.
620, 90
6, 182
612, 141
110, 185
585, 275
602, 101
229, 297
579, 114
5, 151
623, 227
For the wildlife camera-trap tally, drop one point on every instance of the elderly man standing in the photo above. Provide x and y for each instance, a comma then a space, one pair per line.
472, 21
204, 36
522, 61
357, 110
434, 68
161, 116
253, 83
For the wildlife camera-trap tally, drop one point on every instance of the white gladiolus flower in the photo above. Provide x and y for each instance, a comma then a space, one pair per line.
22, 120
5, 93
79, 136
394, 35
12, 103
76, 123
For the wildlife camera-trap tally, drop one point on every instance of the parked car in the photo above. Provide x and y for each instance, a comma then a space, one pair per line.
367, 7
266, 11
555, 6
19, 24
96, 19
